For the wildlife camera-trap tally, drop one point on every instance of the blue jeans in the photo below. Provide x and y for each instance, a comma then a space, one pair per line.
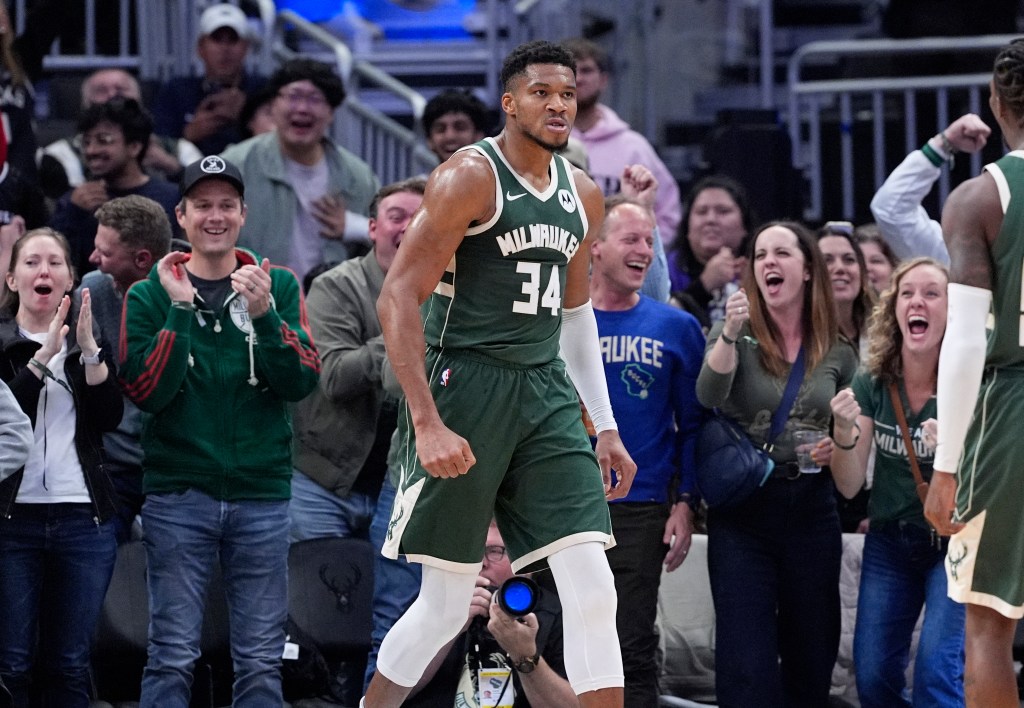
55, 566
902, 570
774, 564
184, 534
318, 513
396, 583
636, 562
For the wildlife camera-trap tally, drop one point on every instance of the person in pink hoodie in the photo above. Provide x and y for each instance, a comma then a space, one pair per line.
611, 144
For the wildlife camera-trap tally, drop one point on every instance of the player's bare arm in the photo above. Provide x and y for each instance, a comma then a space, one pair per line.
459, 193
577, 274
971, 219
611, 453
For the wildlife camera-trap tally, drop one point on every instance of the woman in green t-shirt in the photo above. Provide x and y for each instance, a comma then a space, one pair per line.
902, 568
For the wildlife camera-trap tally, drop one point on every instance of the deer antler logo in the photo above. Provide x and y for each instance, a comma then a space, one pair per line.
955, 561
342, 590
394, 522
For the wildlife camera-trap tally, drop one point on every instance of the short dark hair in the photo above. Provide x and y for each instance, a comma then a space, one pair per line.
585, 49
1007, 74
318, 73
536, 52
455, 101
417, 185
253, 102
134, 120
139, 221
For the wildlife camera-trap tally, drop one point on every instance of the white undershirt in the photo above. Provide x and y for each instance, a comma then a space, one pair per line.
53, 474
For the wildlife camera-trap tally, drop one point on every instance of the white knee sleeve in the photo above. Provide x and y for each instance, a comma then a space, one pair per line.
587, 591
431, 621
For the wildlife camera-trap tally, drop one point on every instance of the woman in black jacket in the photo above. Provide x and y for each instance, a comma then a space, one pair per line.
57, 545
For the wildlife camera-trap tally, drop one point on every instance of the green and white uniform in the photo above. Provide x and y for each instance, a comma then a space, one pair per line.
492, 328
985, 558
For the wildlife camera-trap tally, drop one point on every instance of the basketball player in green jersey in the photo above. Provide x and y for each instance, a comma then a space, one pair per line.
983, 225
496, 255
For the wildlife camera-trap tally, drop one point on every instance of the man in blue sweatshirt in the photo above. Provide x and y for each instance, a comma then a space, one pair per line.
652, 354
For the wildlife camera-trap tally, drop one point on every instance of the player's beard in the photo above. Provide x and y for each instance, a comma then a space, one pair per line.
550, 147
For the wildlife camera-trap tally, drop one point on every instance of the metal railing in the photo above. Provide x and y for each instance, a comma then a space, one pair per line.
392, 150
812, 101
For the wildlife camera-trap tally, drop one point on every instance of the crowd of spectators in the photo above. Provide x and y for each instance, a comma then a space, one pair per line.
252, 157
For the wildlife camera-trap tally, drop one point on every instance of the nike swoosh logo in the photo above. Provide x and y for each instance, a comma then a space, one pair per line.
511, 198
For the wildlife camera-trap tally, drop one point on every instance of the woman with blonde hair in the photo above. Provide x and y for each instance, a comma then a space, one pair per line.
774, 558
902, 570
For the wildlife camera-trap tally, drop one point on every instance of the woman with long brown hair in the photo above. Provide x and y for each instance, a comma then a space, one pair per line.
774, 558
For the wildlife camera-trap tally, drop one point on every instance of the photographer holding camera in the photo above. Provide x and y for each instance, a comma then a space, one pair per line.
497, 659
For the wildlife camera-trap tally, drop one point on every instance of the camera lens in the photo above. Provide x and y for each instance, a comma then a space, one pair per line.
517, 596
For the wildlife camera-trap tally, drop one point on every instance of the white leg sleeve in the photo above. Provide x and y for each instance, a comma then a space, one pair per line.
587, 591
431, 621
961, 364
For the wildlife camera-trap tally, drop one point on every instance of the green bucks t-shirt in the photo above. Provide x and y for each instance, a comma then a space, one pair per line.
894, 492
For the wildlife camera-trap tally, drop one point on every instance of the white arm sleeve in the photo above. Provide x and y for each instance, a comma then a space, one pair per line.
897, 209
961, 364
581, 351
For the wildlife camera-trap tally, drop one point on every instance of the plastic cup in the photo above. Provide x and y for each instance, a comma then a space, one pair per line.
805, 441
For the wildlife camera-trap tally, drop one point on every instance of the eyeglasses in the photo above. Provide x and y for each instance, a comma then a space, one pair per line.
494, 553
315, 101
84, 140
839, 227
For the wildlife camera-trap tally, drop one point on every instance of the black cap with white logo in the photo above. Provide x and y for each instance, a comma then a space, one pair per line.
211, 167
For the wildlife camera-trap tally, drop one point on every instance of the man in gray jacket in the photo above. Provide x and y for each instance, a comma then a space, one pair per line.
343, 430
306, 195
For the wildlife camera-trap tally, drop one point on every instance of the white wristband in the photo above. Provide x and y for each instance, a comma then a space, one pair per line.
581, 350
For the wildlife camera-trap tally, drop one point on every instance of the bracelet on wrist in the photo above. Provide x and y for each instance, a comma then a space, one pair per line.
727, 339
948, 147
689, 499
856, 439
43, 368
182, 304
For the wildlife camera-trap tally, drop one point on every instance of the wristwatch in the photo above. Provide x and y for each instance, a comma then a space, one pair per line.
94, 359
525, 666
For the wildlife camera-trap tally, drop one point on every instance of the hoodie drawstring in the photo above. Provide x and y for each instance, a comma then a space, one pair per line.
253, 381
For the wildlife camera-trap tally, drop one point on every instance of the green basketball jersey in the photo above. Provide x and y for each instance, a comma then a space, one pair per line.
501, 294
1005, 343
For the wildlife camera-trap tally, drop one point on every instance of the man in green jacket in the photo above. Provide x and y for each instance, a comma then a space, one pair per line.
307, 195
214, 346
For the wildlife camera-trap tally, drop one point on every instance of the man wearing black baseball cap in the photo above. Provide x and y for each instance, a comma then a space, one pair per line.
215, 343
